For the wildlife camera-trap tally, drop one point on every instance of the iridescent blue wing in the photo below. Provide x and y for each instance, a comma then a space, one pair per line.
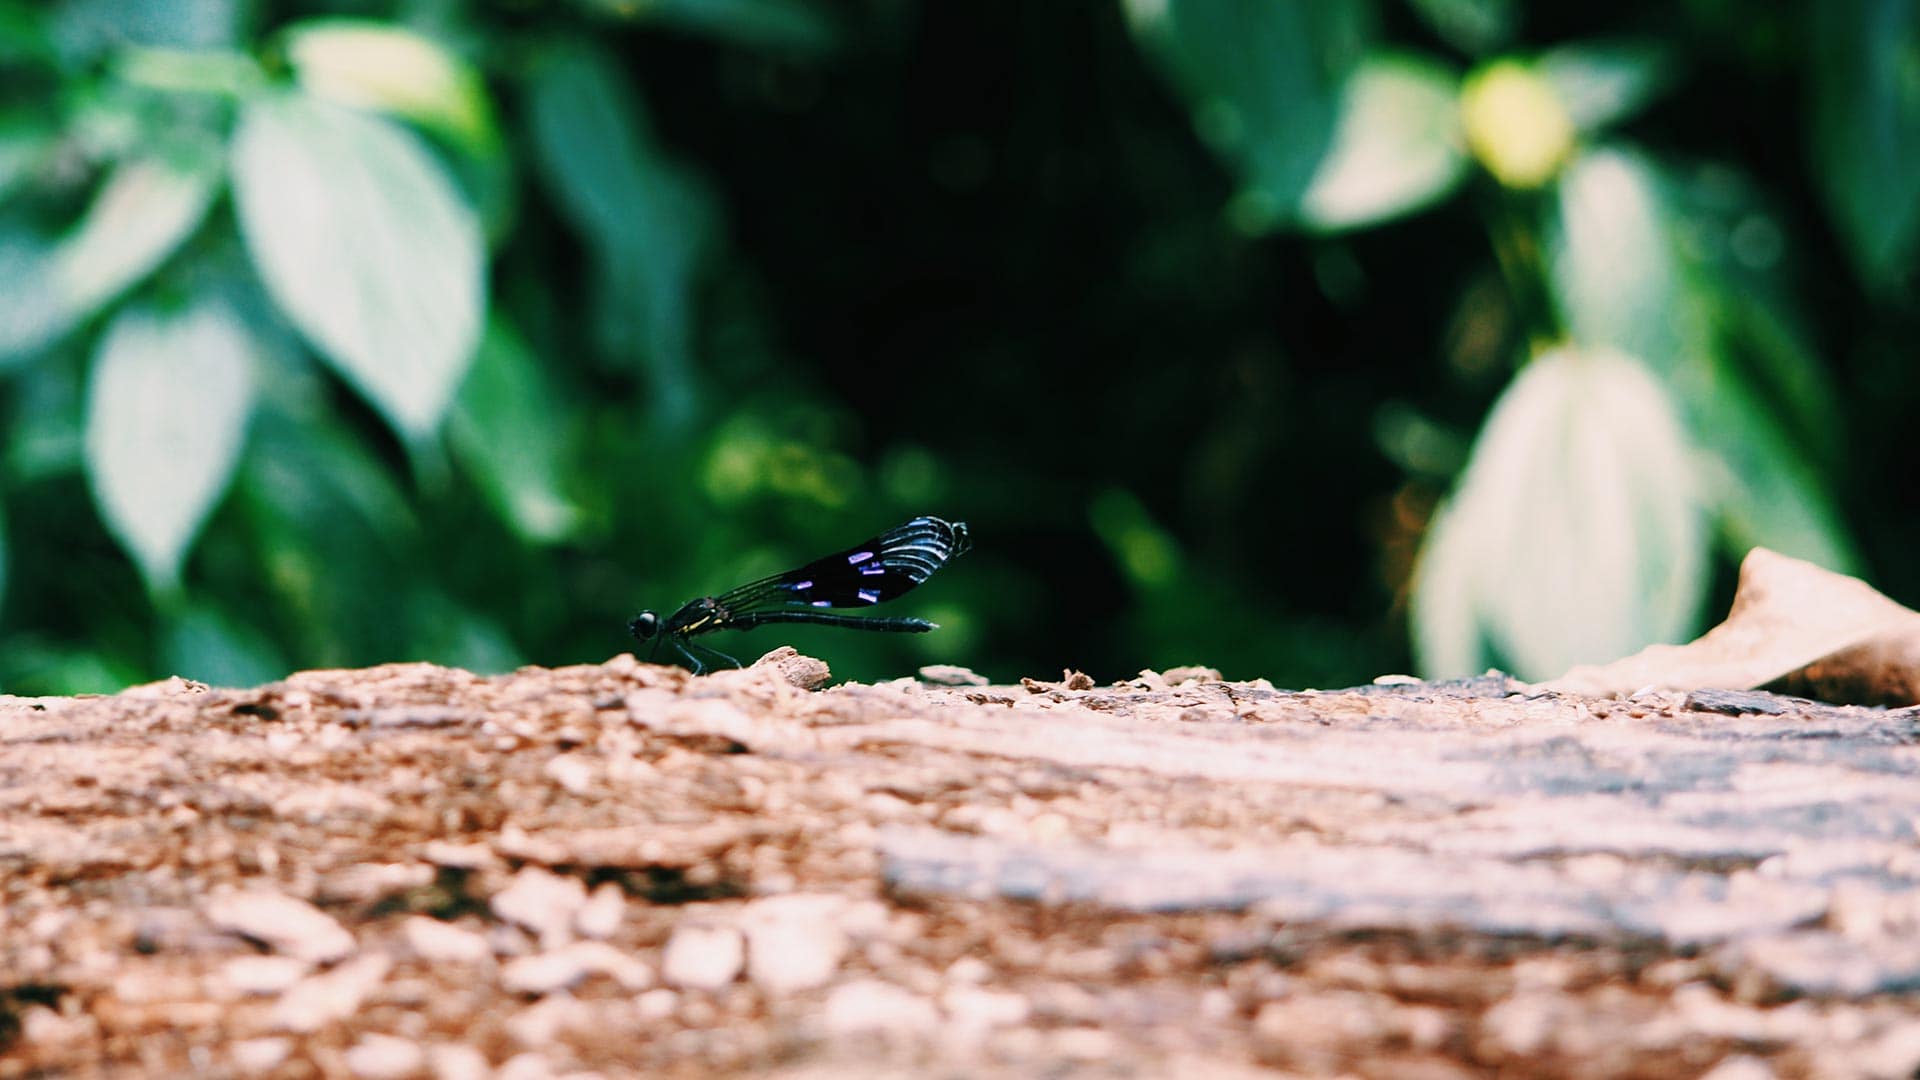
869, 573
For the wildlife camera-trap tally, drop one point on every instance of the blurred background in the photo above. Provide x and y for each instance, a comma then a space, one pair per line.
1305, 340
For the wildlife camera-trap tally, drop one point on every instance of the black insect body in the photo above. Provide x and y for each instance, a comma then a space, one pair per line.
869, 573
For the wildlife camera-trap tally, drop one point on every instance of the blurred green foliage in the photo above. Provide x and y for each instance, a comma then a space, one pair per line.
1309, 340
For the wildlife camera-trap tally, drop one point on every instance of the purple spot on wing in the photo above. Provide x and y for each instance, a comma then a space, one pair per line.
859, 557
871, 596
871, 571
798, 586
823, 603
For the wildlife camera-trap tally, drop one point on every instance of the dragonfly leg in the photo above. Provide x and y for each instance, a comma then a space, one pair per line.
716, 652
680, 647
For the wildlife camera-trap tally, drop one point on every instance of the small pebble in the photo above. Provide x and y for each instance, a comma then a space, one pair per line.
969, 970
260, 1055
459, 856
433, 940
870, 1006
656, 1004
794, 942
571, 771
1740, 1067
384, 1057
570, 965
952, 675
543, 902
527, 1066
601, 915
703, 957
319, 1000
457, 1061
539, 1024
972, 1009
283, 923
262, 975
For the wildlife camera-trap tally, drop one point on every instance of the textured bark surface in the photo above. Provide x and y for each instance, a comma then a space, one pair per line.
414, 871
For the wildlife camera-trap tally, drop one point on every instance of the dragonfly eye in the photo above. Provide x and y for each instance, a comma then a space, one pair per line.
644, 625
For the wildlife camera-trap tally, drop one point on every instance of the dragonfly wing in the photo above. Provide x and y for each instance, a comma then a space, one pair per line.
868, 573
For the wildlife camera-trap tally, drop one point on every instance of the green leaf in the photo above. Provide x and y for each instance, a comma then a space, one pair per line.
1866, 129
1148, 555
1741, 258
511, 432
1605, 82
26, 39
790, 25
337, 540
93, 27
1767, 493
33, 665
444, 632
379, 66
367, 247
650, 224
1262, 80
1396, 146
1475, 27
1576, 533
25, 142
167, 408
3, 555
141, 214
205, 643
44, 430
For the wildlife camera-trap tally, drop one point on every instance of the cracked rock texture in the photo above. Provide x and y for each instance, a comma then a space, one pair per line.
411, 871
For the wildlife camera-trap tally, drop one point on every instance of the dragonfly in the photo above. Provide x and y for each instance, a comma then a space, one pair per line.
867, 573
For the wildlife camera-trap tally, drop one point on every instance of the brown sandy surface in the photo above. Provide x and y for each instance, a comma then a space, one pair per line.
623, 870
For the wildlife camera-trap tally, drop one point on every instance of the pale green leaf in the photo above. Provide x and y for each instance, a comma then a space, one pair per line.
167, 407
511, 433
1396, 145
1605, 82
1612, 265
376, 65
1576, 534
1620, 280
144, 210
367, 247
147, 207
1449, 634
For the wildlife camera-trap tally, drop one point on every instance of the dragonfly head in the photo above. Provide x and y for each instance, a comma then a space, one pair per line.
644, 625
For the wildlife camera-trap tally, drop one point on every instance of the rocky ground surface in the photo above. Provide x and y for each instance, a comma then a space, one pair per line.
621, 869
